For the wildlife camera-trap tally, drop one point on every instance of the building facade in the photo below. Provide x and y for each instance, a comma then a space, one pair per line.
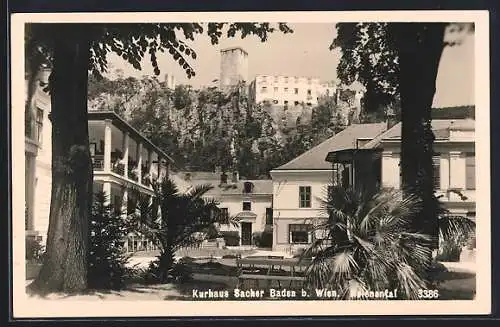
289, 90
233, 67
38, 158
301, 184
249, 201
122, 158
454, 162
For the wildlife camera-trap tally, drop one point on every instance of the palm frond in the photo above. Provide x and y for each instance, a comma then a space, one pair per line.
409, 281
453, 227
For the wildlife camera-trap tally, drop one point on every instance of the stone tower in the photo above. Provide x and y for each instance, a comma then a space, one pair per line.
233, 67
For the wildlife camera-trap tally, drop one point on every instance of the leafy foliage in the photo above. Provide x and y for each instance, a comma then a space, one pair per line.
368, 244
34, 250
399, 62
231, 238
107, 261
204, 129
73, 50
176, 219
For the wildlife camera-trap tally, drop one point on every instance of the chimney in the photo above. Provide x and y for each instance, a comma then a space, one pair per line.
236, 177
391, 118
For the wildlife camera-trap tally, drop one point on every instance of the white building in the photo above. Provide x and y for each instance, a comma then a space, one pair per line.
250, 201
454, 162
38, 160
369, 154
299, 185
121, 157
289, 90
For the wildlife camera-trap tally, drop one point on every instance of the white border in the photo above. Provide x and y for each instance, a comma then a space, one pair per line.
24, 307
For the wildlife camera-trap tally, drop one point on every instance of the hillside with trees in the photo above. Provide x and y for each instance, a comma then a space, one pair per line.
206, 128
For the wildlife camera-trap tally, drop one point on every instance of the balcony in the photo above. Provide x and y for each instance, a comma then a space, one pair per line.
120, 154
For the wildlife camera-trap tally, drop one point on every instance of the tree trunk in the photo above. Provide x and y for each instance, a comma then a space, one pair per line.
420, 47
65, 265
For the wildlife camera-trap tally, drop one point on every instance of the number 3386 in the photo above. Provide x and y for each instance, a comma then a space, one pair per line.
428, 294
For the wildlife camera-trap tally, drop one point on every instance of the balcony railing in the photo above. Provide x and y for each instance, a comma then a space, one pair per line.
98, 163
132, 174
118, 168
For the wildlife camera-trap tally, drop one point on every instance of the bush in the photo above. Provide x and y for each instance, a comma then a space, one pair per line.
263, 239
34, 250
180, 272
449, 252
231, 238
107, 260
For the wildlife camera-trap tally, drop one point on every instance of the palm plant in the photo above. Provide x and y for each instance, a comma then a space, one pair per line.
175, 219
368, 244
454, 230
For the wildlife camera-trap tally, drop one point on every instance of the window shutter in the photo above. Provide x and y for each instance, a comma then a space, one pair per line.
470, 171
437, 171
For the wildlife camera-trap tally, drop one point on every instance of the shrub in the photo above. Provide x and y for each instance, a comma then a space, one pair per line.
266, 239
263, 239
256, 238
179, 272
107, 260
232, 238
369, 244
449, 252
34, 250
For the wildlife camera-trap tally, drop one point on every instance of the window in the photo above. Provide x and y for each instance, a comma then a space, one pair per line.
39, 124
247, 206
224, 213
248, 187
470, 171
264, 89
309, 81
296, 103
309, 103
437, 174
299, 233
304, 197
296, 79
286, 89
275, 89
327, 92
286, 81
296, 90
269, 216
275, 79
275, 101
308, 92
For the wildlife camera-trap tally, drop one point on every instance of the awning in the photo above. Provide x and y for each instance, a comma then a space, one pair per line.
348, 155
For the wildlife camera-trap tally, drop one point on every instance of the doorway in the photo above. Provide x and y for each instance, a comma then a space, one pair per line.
246, 233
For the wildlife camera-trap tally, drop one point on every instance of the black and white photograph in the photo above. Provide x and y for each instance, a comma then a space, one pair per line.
311, 163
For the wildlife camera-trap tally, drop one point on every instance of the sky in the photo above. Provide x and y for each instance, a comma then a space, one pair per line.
305, 53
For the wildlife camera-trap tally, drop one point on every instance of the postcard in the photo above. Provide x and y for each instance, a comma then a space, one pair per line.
307, 163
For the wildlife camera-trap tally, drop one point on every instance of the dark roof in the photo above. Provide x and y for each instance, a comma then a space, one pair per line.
123, 125
440, 127
314, 159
